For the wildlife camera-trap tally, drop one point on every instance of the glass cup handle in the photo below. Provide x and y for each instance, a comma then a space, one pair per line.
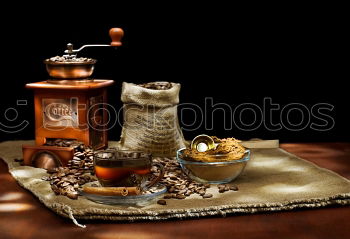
157, 179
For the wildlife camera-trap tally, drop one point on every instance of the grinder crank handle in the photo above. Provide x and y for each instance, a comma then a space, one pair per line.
116, 35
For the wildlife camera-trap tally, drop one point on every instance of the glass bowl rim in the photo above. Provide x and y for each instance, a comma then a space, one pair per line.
245, 158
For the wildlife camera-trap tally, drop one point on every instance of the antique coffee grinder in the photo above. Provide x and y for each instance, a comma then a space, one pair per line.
70, 106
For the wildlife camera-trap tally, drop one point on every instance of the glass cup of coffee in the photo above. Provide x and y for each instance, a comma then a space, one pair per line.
125, 168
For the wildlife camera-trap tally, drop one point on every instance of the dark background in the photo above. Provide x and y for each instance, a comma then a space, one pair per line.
234, 56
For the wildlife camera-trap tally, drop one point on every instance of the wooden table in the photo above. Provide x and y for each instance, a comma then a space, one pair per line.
22, 216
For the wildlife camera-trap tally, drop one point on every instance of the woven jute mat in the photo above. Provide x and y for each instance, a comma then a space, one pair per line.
273, 180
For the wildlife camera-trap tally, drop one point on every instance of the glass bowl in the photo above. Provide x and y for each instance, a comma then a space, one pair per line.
213, 172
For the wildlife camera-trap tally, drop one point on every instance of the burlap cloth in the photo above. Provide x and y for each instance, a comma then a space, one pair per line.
273, 180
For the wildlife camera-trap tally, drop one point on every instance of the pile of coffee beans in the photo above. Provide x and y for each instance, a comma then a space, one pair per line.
179, 186
83, 160
65, 181
83, 156
226, 187
63, 142
68, 58
157, 85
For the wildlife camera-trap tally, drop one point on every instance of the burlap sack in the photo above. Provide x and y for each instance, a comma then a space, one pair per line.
150, 120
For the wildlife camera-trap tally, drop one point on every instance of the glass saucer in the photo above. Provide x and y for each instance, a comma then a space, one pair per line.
140, 200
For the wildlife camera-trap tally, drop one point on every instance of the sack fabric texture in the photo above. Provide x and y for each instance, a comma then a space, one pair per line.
150, 120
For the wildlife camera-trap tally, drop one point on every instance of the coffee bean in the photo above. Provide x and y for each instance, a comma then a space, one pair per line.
73, 171
207, 195
81, 181
233, 188
180, 196
55, 189
76, 159
69, 188
59, 183
81, 147
221, 186
45, 178
86, 177
64, 184
52, 170
72, 195
161, 202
